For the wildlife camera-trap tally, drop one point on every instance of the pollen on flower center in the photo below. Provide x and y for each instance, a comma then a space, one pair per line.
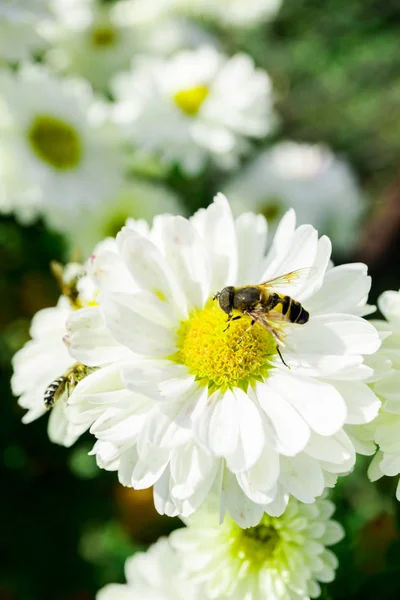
190, 100
256, 545
223, 359
55, 141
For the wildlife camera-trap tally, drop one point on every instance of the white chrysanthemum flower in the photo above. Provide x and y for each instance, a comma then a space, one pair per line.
152, 575
211, 407
55, 137
87, 39
45, 357
137, 199
237, 13
284, 558
196, 105
385, 430
309, 178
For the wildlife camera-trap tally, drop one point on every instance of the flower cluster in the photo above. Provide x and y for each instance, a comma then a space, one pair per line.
105, 106
221, 360
261, 415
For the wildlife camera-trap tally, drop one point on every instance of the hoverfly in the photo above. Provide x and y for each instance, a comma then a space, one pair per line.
65, 384
264, 306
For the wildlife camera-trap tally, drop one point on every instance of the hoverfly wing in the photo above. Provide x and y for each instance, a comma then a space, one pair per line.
270, 321
290, 278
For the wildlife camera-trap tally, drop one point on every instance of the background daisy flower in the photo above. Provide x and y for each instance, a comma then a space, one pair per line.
194, 106
318, 185
282, 557
56, 136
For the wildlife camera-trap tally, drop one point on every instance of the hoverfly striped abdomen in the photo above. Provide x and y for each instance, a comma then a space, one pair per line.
53, 391
294, 310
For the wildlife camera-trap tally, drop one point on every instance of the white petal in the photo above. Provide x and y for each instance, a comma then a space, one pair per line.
251, 231
389, 305
139, 334
88, 339
319, 403
362, 404
195, 474
374, 470
145, 471
334, 334
187, 256
390, 465
292, 432
250, 442
107, 455
149, 268
329, 367
336, 449
160, 379
389, 387
218, 426
300, 253
345, 290
216, 227
110, 273
302, 477
162, 496
169, 425
59, 429
280, 244
242, 510
258, 483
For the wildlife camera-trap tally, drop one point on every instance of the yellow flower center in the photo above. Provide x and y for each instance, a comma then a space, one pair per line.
256, 545
190, 100
237, 357
55, 142
103, 36
272, 209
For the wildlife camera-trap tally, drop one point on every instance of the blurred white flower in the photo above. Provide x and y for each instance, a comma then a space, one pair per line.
45, 357
152, 575
19, 28
385, 429
237, 13
196, 105
309, 178
15, 197
57, 144
136, 200
86, 38
211, 407
282, 558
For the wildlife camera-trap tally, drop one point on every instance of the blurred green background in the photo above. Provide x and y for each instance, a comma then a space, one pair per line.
67, 527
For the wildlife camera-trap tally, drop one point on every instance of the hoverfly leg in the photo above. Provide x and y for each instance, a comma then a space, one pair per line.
229, 323
248, 329
281, 357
